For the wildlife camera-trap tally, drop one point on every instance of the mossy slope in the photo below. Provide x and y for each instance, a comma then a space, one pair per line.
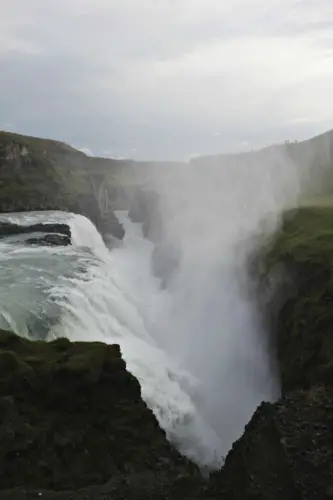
41, 174
71, 415
286, 451
304, 331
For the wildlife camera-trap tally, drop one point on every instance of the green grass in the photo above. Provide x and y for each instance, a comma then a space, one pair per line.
35, 143
306, 236
71, 416
37, 174
304, 247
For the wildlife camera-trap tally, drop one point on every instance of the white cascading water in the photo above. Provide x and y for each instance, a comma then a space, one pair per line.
120, 301
197, 345
212, 325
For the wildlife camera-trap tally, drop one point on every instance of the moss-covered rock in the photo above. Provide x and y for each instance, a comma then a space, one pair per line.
41, 174
71, 415
286, 451
303, 251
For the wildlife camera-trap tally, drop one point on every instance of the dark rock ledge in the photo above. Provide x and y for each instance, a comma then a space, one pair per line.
50, 233
72, 417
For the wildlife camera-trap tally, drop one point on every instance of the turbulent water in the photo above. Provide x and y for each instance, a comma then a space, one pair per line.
196, 345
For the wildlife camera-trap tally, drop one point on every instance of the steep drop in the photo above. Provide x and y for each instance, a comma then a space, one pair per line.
197, 345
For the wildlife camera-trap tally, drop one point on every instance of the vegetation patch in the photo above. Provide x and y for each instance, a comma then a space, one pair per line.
303, 248
71, 416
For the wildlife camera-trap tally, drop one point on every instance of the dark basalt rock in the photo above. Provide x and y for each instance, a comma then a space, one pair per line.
106, 223
39, 174
50, 240
145, 209
303, 320
51, 234
286, 452
11, 229
72, 416
143, 486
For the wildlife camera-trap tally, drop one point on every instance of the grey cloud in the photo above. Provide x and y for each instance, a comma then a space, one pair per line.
160, 78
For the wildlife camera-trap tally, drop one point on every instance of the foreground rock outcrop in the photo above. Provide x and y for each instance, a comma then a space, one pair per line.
286, 452
72, 416
144, 486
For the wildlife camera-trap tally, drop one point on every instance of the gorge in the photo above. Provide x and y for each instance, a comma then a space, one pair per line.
213, 277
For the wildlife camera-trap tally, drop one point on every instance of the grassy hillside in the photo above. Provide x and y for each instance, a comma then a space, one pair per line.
71, 416
303, 249
312, 158
45, 173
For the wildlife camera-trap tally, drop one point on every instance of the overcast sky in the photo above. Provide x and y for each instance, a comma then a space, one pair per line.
161, 79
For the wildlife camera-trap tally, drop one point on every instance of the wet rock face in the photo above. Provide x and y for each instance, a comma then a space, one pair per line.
286, 451
71, 416
105, 223
38, 174
145, 209
41, 234
304, 323
50, 234
10, 229
50, 240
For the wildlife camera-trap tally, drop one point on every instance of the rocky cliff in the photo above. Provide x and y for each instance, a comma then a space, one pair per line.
312, 157
286, 451
40, 174
72, 416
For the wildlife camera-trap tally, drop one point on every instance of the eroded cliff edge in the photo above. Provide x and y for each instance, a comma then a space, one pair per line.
286, 451
72, 416
42, 174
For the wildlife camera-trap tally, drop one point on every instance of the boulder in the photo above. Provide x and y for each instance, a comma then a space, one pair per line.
303, 312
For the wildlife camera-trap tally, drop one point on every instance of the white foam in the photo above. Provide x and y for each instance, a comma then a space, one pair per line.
119, 301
